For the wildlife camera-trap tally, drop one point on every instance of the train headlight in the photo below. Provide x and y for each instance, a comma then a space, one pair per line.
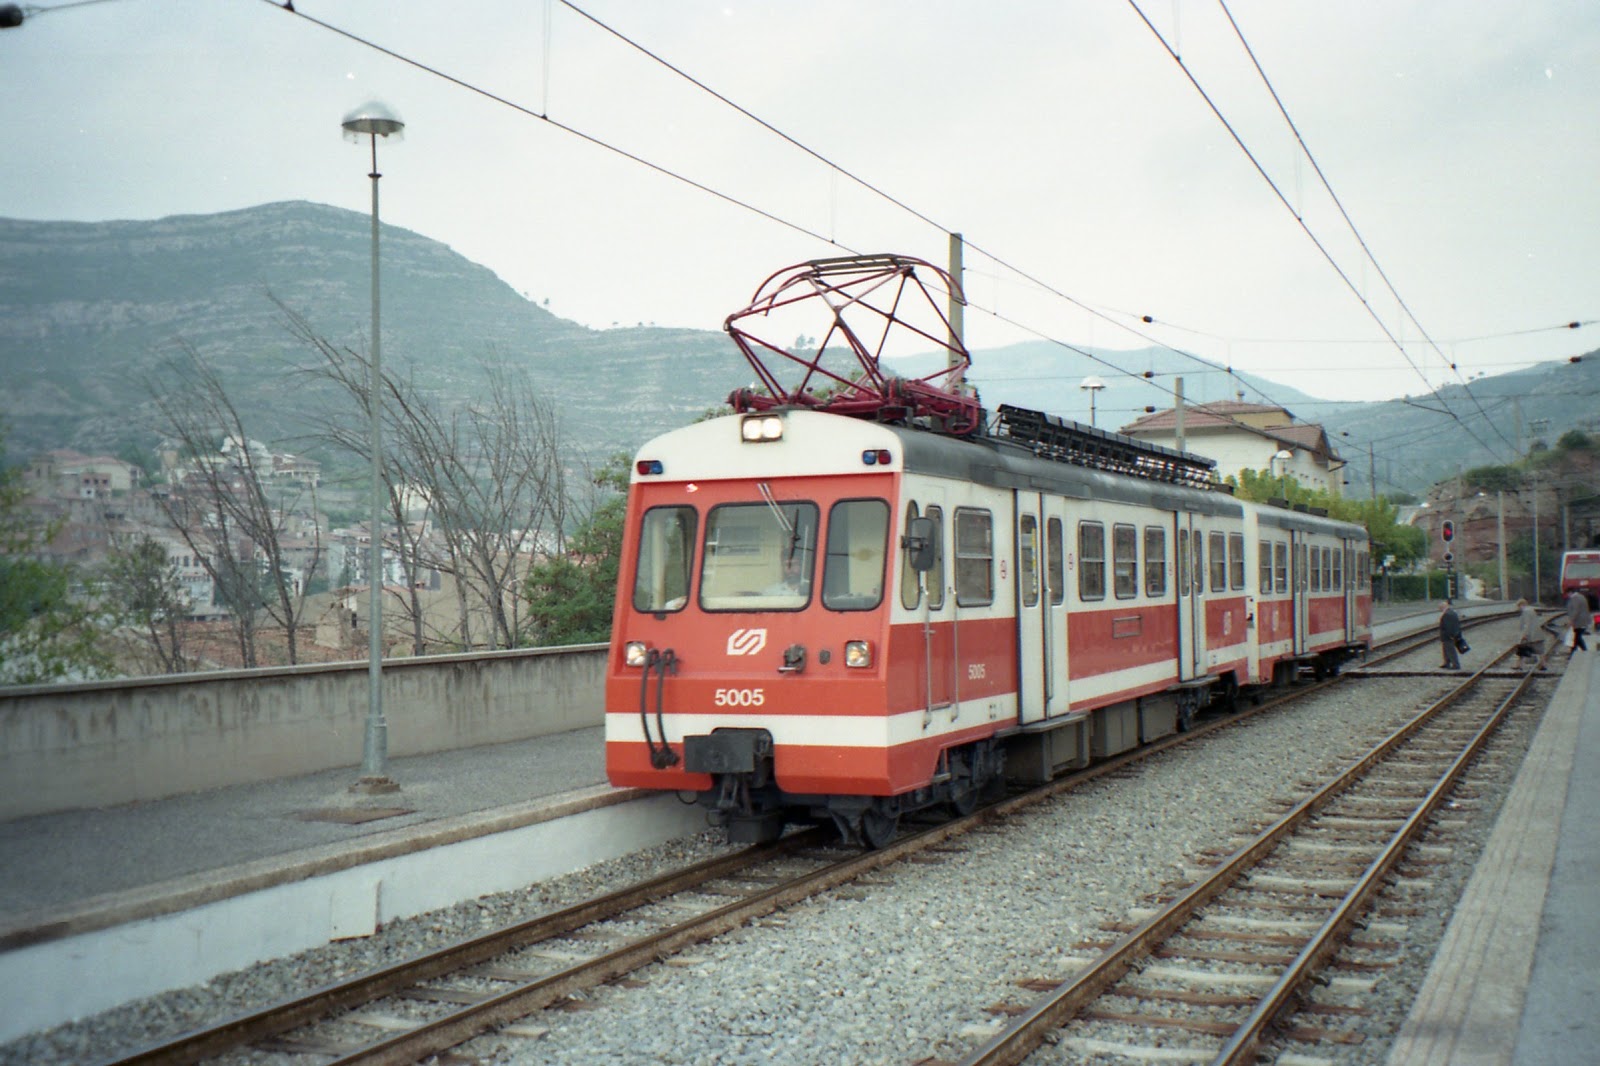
634, 653
858, 653
759, 428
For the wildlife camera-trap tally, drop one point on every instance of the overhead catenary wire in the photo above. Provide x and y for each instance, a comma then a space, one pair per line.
1362, 241
1299, 219
787, 223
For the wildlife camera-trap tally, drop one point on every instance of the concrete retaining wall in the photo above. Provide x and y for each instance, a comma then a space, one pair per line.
70, 746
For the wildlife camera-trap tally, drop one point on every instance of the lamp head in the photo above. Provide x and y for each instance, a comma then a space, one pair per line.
372, 119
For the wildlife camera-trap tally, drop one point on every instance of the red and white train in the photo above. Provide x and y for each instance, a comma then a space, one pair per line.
822, 616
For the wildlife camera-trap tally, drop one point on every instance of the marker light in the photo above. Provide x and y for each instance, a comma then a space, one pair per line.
876, 457
858, 653
758, 428
634, 653
649, 466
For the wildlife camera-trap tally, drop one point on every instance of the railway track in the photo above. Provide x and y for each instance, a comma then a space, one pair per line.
1237, 952
425, 1005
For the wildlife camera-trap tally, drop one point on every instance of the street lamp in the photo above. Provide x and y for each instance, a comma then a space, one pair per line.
373, 120
1092, 385
1280, 462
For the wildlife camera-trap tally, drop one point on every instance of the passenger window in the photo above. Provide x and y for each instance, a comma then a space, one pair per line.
1028, 559
1219, 563
1055, 564
1316, 569
1338, 569
1155, 561
853, 569
666, 552
1125, 561
1236, 560
1264, 574
1199, 563
1183, 562
910, 580
974, 557
935, 577
1280, 566
1091, 561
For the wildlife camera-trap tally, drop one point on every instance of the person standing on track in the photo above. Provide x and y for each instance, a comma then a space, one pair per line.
1449, 633
1528, 639
1579, 615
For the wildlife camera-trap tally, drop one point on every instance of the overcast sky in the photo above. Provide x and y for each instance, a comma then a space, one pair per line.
1059, 136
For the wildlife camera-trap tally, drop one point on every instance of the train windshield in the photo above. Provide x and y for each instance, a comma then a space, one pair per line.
759, 556
1581, 569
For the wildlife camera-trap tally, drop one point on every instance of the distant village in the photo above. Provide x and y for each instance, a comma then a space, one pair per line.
98, 505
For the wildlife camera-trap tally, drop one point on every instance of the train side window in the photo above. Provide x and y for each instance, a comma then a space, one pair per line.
910, 580
1327, 569
1055, 562
1125, 561
1198, 543
1264, 576
1280, 567
1338, 568
1219, 562
1091, 561
1236, 560
666, 551
1155, 561
1028, 559
1316, 569
935, 577
1183, 562
1302, 580
974, 557
853, 568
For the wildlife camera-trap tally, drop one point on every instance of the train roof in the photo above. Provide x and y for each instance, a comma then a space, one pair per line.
701, 450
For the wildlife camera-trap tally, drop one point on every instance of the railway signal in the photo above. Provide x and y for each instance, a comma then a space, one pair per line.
1447, 531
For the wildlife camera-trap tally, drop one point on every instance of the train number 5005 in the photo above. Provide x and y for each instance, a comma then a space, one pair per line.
739, 697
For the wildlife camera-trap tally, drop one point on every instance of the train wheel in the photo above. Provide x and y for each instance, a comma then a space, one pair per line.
964, 794
1186, 710
879, 827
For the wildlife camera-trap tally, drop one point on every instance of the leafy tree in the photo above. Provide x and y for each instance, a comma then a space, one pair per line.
1574, 440
571, 596
1379, 517
47, 631
141, 585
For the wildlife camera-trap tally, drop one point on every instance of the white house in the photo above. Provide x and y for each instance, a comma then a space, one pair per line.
1247, 436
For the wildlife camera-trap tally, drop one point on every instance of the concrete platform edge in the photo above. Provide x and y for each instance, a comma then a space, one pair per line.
1468, 1009
196, 890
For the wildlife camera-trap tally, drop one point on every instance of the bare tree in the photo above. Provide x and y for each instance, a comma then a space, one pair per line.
490, 472
222, 507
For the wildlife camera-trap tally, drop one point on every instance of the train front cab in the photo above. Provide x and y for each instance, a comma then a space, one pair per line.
828, 698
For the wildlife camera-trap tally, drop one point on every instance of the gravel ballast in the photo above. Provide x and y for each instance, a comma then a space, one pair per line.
898, 971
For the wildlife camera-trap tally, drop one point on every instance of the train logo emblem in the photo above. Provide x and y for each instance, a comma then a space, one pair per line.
746, 641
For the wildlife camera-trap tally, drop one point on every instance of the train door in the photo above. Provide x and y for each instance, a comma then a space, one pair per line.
1191, 603
1041, 606
1344, 579
938, 610
1300, 584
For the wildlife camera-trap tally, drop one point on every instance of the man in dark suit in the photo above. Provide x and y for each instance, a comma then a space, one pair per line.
1449, 633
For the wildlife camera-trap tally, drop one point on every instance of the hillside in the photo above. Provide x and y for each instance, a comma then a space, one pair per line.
88, 311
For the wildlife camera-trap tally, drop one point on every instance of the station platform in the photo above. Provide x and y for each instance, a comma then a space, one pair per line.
1515, 982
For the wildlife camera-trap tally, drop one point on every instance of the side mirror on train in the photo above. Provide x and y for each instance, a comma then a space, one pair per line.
918, 544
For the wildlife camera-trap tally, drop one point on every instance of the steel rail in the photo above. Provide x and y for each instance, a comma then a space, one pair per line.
285, 1015
1028, 1030
1242, 1046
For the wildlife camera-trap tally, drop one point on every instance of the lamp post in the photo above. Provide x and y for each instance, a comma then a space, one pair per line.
1280, 460
1092, 385
371, 121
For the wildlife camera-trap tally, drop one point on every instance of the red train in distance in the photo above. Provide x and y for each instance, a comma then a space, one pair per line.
847, 612
1580, 572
